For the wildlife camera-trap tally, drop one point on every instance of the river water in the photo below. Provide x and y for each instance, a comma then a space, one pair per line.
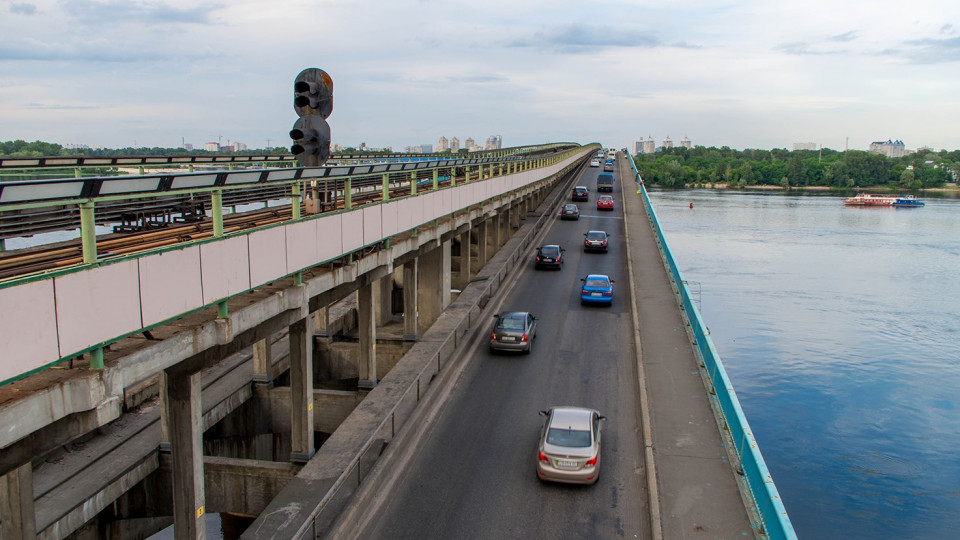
840, 328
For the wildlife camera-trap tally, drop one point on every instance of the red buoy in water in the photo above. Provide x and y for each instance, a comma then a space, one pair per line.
691, 205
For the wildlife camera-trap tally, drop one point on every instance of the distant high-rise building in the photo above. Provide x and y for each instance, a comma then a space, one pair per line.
493, 142
454, 145
211, 147
667, 143
685, 142
649, 146
638, 147
890, 148
426, 148
804, 146
443, 145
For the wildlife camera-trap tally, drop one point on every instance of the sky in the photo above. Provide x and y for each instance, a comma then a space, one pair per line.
744, 74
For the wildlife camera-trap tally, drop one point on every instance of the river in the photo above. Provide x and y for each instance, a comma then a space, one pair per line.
840, 329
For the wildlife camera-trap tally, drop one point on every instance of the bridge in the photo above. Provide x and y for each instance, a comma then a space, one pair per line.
322, 373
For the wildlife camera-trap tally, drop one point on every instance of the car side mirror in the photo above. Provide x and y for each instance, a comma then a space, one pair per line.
544, 413
583, 279
601, 417
612, 281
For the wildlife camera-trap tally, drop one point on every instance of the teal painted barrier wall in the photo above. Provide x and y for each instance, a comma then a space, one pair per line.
766, 499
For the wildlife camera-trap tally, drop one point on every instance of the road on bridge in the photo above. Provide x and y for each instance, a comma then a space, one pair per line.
472, 474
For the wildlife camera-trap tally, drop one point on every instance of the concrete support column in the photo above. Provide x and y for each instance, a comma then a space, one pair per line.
463, 275
367, 328
496, 233
383, 299
301, 391
262, 361
430, 289
483, 239
184, 412
321, 321
446, 273
16, 503
410, 300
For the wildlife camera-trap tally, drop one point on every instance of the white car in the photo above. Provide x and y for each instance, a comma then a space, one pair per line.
595, 163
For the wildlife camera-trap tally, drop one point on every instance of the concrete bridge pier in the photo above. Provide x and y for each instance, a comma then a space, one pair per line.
16, 503
367, 329
301, 391
482, 239
433, 285
181, 411
462, 277
410, 286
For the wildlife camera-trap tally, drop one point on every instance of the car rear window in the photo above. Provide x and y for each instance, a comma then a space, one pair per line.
596, 236
510, 323
570, 438
596, 283
549, 251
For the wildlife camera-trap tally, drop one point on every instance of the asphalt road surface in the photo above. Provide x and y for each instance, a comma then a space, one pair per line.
473, 473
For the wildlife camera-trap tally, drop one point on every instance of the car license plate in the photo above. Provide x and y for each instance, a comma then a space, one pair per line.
595, 294
508, 338
566, 464
547, 259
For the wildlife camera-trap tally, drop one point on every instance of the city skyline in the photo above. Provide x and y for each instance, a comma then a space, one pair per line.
739, 74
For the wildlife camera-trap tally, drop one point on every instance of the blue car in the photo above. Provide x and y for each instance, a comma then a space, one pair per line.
597, 289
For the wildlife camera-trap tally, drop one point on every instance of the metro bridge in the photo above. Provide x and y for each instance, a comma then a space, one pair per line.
324, 374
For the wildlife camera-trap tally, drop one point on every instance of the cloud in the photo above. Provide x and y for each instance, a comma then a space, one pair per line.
44, 107
933, 51
23, 9
580, 38
845, 37
96, 12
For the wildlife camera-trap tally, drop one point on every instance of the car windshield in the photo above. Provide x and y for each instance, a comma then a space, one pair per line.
596, 236
570, 438
570, 208
510, 323
596, 282
580, 190
549, 251
606, 198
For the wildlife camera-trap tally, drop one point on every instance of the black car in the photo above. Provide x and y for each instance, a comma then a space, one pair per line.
570, 211
595, 241
550, 256
580, 193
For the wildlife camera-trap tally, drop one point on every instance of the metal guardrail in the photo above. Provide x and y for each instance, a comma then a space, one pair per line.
43, 162
32, 193
759, 482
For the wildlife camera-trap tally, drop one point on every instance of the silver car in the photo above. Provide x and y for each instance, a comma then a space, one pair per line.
569, 448
513, 331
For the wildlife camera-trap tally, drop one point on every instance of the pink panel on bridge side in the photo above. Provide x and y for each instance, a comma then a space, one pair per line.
352, 232
302, 249
169, 284
97, 305
390, 218
372, 224
329, 242
224, 268
268, 255
28, 328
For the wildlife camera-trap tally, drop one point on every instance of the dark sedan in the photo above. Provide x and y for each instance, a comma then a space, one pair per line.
570, 211
513, 331
550, 256
595, 241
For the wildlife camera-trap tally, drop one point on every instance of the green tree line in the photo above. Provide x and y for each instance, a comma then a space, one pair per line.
39, 148
680, 167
